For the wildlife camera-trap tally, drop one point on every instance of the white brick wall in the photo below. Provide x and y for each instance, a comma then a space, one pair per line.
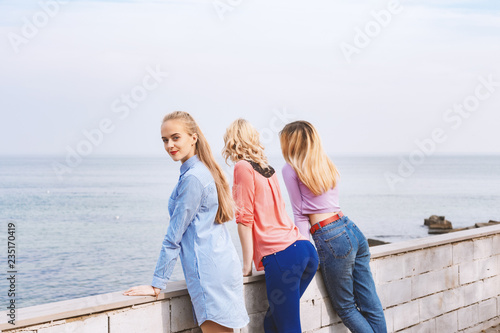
427, 260
488, 267
463, 252
473, 292
487, 310
469, 272
431, 306
468, 316
328, 314
97, 324
491, 287
496, 244
316, 289
447, 322
483, 248
391, 268
453, 286
310, 315
425, 327
456, 287
406, 315
152, 318
452, 300
433, 282
181, 317
255, 325
255, 297
395, 292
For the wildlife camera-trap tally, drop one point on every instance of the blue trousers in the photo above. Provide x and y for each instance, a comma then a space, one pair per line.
345, 266
288, 273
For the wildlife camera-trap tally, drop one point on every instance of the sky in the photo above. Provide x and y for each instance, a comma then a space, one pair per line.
374, 77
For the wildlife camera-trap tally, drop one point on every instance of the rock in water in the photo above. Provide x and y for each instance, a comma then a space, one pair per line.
375, 242
434, 219
438, 222
489, 224
446, 225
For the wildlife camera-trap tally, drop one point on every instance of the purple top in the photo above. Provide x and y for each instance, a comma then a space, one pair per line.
304, 202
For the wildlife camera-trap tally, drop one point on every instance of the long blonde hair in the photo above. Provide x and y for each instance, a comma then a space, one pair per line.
241, 142
302, 149
225, 212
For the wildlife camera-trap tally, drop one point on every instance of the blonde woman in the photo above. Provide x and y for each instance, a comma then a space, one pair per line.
311, 180
199, 205
268, 236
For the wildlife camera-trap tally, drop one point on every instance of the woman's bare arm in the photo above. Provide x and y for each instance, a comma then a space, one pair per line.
246, 240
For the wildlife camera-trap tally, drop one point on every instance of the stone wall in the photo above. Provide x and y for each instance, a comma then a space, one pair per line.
446, 283
451, 284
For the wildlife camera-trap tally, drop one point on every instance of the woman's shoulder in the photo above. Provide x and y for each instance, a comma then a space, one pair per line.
288, 170
200, 172
242, 165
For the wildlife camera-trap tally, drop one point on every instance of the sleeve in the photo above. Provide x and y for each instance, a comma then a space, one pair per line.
187, 204
292, 185
244, 193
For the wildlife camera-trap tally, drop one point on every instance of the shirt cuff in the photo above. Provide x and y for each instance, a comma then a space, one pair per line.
245, 219
159, 282
246, 223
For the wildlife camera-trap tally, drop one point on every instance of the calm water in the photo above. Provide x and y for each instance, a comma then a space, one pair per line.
100, 228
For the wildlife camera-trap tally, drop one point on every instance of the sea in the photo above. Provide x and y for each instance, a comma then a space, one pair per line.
96, 225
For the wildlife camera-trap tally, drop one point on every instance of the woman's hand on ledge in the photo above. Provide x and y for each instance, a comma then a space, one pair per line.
142, 291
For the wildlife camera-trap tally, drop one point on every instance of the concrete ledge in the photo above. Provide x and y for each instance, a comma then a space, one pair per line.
432, 241
85, 306
79, 307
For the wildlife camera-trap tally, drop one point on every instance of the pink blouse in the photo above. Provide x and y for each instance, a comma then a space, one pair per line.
261, 206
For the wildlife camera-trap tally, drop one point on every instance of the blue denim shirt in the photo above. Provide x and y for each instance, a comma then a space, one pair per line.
209, 259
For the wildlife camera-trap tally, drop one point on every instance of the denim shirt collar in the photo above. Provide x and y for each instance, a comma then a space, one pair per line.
189, 163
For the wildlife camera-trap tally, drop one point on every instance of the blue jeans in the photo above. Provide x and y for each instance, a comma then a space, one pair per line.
288, 273
344, 261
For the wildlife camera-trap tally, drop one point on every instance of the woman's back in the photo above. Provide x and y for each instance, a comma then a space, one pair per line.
261, 205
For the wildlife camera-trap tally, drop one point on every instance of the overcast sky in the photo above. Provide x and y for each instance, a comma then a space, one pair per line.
373, 76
